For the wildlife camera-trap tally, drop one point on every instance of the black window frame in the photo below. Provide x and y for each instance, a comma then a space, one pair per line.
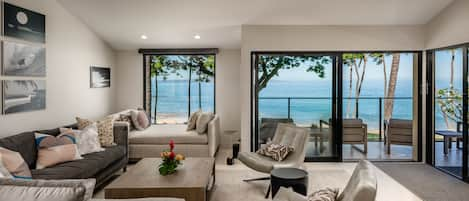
175, 52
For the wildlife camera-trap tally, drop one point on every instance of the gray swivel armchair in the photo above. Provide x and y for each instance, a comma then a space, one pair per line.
286, 134
362, 186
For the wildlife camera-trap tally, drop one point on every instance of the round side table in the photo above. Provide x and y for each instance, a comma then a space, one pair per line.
289, 177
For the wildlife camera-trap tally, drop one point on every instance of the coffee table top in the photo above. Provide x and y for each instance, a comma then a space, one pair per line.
288, 173
194, 173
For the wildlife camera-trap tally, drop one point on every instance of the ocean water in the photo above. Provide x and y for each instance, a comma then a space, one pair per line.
173, 101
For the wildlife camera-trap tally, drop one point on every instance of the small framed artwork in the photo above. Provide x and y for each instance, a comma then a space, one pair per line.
23, 96
23, 60
24, 24
100, 77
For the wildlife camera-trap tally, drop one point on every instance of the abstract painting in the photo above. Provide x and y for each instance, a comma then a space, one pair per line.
23, 95
23, 60
100, 77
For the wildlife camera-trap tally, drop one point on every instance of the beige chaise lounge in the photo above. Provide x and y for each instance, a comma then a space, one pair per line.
152, 141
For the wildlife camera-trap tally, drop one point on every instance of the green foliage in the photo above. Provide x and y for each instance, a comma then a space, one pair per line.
202, 65
269, 66
168, 166
450, 102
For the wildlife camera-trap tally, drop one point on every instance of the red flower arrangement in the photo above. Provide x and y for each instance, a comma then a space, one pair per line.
171, 160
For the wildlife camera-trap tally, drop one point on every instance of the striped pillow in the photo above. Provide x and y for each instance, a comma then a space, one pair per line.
55, 150
14, 163
277, 152
327, 194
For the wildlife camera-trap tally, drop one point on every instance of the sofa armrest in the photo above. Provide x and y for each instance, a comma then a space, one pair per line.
213, 135
121, 134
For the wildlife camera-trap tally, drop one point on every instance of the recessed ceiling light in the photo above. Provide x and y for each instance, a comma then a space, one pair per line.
143, 37
197, 37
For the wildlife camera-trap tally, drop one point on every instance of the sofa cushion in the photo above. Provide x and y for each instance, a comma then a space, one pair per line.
162, 134
46, 190
23, 143
84, 168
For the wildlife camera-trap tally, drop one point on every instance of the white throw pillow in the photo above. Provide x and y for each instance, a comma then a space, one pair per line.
88, 139
202, 122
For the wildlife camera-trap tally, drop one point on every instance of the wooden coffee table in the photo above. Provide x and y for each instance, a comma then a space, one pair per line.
190, 182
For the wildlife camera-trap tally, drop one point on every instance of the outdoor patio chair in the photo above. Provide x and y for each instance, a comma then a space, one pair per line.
354, 132
398, 131
268, 128
286, 134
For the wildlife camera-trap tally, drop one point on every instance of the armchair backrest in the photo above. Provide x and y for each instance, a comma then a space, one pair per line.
269, 126
362, 186
297, 137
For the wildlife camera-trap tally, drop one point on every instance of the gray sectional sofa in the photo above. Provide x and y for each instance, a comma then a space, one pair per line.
99, 165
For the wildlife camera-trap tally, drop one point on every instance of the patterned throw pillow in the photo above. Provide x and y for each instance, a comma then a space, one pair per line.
15, 164
277, 152
54, 150
192, 122
327, 194
105, 129
126, 118
87, 139
140, 119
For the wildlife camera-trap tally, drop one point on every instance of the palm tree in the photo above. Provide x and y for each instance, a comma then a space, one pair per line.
389, 102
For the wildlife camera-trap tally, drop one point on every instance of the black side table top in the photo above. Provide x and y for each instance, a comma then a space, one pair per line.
289, 173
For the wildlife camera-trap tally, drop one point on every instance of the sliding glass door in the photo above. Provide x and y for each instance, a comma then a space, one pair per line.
448, 126
379, 92
300, 89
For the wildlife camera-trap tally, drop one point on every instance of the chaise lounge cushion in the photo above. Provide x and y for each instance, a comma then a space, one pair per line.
162, 134
84, 168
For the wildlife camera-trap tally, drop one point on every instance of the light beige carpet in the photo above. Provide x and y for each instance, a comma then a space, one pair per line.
230, 187
427, 182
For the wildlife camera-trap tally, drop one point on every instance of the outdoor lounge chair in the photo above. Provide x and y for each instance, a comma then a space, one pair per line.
354, 132
398, 131
286, 134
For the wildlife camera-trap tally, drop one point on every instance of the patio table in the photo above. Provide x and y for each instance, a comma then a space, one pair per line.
447, 135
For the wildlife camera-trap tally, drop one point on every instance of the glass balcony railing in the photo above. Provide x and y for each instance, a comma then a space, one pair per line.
309, 111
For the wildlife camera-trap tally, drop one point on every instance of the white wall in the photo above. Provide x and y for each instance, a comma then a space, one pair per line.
316, 38
130, 85
450, 27
71, 48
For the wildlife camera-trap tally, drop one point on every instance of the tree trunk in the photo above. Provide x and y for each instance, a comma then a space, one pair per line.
349, 101
359, 84
451, 81
385, 76
156, 95
389, 103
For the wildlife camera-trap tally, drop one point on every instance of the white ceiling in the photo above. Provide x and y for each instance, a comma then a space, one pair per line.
173, 23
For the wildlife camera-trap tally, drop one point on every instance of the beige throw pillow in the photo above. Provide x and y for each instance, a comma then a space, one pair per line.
105, 129
191, 124
140, 119
202, 122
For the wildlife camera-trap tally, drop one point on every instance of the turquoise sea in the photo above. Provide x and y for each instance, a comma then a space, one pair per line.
173, 100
